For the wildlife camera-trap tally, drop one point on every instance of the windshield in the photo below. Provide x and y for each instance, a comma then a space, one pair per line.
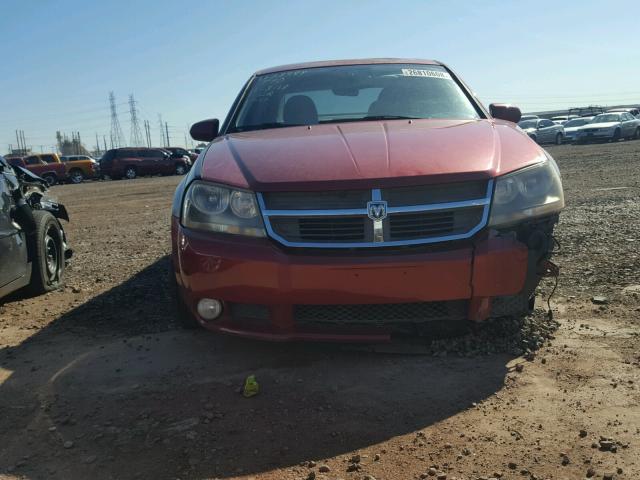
351, 93
528, 124
576, 122
606, 117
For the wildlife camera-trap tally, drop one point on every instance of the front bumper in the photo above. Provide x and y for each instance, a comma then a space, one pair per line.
264, 288
590, 136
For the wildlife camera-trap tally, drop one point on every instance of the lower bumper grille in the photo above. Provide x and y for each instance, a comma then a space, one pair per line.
381, 314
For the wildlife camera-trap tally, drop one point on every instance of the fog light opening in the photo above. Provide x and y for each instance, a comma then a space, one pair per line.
209, 309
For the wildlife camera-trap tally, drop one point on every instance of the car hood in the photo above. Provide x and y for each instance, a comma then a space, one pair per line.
368, 154
601, 125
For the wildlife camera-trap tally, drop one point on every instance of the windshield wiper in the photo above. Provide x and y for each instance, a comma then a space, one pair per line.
263, 126
372, 118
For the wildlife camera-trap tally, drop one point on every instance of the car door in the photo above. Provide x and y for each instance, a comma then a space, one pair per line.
545, 131
13, 251
35, 164
628, 125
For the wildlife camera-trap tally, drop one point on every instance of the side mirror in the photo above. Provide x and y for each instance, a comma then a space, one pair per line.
206, 130
506, 112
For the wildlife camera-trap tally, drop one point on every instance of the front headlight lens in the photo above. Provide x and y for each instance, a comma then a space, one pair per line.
531, 192
217, 208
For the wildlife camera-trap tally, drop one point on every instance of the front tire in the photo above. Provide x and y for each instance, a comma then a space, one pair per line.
636, 135
76, 176
559, 139
616, 136
130, 173
50, 178
46, 248
181, 169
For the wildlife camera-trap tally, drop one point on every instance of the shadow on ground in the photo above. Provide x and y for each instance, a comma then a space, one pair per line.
113, 389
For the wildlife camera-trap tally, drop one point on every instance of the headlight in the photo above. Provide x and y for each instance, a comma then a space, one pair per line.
217, 208
531, 192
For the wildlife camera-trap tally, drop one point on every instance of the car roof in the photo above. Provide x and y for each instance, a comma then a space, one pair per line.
337, 63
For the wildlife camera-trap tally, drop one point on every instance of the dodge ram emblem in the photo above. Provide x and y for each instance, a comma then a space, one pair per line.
377, 210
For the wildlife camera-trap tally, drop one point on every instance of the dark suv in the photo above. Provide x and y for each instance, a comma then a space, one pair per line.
177, 152
33, 246
133, 162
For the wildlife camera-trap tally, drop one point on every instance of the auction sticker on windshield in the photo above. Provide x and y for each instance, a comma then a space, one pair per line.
414, 72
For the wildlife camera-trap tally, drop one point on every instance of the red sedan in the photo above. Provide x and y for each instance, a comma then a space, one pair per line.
350, 200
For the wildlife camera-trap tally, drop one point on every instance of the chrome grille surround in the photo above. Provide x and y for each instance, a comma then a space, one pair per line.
379, 233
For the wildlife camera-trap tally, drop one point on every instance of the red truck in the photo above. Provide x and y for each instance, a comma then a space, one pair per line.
351, 200
46, 165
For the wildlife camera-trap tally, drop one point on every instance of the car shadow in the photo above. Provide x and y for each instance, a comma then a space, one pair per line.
114, 389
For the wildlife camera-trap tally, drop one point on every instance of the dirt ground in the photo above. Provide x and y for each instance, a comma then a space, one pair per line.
97, 381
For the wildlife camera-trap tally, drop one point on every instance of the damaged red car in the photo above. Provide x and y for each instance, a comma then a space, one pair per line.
351, 200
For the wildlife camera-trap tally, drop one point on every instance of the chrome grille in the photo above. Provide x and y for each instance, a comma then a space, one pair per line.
351, 219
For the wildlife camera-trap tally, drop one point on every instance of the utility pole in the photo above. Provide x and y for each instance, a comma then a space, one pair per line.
97, 144
166, 129
136, 134
104, 139
117, 137
163, 141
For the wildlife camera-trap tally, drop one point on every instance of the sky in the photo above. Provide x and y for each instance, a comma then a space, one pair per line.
187, 60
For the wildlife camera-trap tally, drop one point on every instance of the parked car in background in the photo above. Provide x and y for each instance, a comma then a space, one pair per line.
134, 162
529, 117
543, 130
633, 111
351, 200
33, 245
179, 152
562, 119
572, 126
80, 167
610, 127
46, 165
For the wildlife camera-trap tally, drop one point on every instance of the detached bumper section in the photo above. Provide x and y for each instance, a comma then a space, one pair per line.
270, 293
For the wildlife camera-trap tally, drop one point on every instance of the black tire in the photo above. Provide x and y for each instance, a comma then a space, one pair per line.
616, 135
181, 169
46, 250
183, 315
534, 138
50, 178
76, 176
636, 135
130, 173
559, 139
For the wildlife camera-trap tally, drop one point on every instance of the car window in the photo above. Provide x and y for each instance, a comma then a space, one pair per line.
32, 160
352, 93
48, 158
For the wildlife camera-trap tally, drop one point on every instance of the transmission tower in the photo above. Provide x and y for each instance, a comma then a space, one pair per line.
117, 138
136, 133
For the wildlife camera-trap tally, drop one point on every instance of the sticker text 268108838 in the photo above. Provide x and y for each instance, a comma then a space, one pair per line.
414, 72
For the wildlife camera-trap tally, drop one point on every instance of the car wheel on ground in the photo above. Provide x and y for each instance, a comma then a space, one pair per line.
130, 173
559, 139
616, 136
636, 134
46, 246
50, 178
181, 169
534, 138
76, 176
